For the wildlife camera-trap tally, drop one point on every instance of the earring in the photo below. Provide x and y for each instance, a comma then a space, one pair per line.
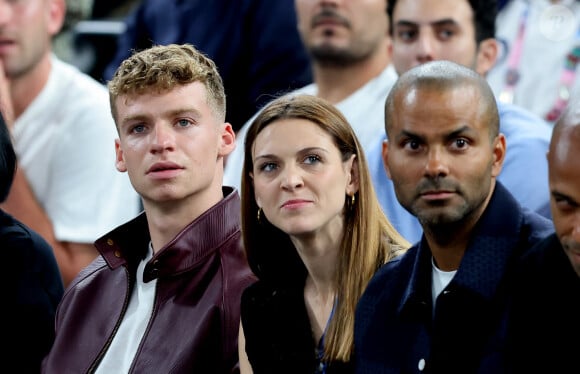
350, 202
259, 215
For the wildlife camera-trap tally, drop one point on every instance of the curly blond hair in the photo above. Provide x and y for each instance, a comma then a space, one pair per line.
162, 68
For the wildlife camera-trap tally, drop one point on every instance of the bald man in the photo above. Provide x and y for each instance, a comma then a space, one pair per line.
462, 31
436, 307
543, 327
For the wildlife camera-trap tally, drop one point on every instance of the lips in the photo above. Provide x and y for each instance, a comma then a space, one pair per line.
436, 195
6, 45
163, 166
328, 18
326, 21
435, 192
294, 203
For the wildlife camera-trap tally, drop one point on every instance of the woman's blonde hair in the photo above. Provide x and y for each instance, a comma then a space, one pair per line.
369, 238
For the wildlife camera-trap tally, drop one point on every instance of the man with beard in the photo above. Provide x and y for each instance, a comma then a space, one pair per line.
438, 307
349, 47
65, 187
463, 32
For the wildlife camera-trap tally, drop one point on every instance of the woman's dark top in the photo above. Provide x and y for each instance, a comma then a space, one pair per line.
278, 333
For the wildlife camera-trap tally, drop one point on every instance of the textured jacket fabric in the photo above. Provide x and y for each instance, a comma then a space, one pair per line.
32, 289
543, 327
397, 330
278, 332
194, 326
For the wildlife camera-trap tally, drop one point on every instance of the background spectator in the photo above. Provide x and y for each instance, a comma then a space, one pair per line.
66, 187
542, 329
254, 43
537, 66
349, 50
31, 280
463, 32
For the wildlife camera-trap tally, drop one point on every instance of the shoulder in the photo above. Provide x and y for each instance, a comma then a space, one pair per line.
95, 280
29, 257
17, 238
263, 300
261, 292
537, 226
80, 90
86, 276
541, 253
382, 298
76, 78
391, 276
518, 123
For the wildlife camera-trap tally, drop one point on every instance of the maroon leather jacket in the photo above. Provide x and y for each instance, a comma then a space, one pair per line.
200, 275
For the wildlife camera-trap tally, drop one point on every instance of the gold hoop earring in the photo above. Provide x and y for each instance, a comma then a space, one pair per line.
350, 202
259, 215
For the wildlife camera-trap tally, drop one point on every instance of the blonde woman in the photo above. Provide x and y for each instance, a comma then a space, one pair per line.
314, 234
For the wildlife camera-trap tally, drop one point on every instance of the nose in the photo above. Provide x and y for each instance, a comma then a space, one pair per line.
436, 165
425, 48
163, 138
5, 12
291, 178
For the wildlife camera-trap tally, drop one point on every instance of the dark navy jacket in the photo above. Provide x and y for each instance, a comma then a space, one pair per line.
254, 43
32, 288
396, 330
543, 328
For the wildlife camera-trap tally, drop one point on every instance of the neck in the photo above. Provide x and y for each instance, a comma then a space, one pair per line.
319, 252
25, 88
319, 300
166, 220
336, 83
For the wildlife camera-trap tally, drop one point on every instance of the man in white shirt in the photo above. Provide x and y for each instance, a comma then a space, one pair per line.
66, 187
349, 48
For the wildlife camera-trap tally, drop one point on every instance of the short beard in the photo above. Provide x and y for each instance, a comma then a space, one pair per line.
328, 56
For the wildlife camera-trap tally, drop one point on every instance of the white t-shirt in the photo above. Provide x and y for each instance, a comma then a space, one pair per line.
551, 32
121, 352
364, 110
439, 280
65, 146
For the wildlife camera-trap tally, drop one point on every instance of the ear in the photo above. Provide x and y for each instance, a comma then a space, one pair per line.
251, 174
386, 157
56, 14
499, 149
120, 158
353, 183
227, 140
486, 56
